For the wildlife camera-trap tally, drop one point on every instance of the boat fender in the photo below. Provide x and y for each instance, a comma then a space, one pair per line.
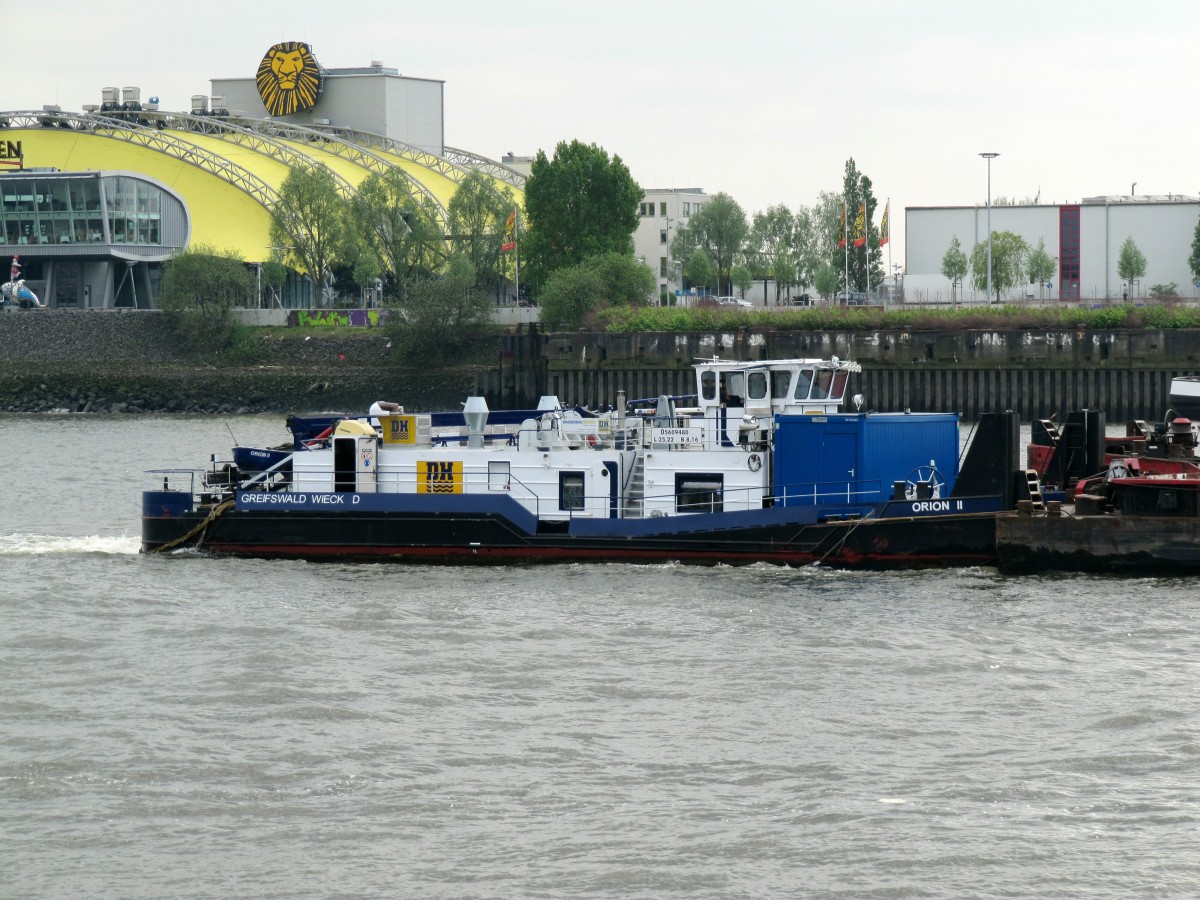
754, 462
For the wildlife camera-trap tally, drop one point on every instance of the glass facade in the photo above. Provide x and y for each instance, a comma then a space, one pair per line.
116, 209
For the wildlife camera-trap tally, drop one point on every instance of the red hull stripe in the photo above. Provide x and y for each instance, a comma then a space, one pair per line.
623, 554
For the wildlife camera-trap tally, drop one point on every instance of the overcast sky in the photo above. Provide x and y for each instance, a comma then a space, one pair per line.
764, 101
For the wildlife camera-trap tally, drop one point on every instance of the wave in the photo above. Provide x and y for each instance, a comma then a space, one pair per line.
23, 544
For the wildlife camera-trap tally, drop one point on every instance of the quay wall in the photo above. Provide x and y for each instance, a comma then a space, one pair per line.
1125, 372
127, 360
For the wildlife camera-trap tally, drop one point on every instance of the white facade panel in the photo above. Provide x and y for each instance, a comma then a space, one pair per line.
409, 110
1162, 231
414, 108
1093, 257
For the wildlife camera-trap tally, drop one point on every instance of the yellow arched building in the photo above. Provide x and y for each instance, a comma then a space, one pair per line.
92, 203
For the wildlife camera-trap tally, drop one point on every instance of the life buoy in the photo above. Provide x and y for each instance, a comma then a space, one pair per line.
754, 462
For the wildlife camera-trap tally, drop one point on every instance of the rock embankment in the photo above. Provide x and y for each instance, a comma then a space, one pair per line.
130, 361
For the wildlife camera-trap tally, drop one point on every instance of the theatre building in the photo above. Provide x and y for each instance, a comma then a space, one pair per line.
94, 202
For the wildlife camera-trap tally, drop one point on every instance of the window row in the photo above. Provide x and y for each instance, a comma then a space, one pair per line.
694, 491
647, 210
735, 388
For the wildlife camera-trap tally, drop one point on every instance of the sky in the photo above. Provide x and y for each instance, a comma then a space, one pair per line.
765, 101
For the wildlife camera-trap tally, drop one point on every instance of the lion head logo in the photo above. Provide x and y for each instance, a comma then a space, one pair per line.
289, 79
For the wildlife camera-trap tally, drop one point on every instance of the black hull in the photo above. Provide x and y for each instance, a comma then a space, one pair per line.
1102, 544
489, 538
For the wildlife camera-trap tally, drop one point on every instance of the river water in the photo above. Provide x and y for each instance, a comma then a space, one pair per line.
192, 727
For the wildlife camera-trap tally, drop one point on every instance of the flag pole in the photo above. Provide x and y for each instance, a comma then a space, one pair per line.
846, 241
867, 245
888, 210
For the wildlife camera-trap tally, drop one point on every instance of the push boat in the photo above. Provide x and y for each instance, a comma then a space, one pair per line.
1129, 503
758, 465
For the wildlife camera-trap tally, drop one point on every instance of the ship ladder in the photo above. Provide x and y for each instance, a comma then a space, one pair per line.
636, 494
1034, 486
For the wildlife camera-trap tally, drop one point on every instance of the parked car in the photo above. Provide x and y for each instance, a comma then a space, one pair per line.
734, 301
803, 300
853, 298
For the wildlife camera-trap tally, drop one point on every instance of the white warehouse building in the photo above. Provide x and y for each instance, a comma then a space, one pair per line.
1084, 239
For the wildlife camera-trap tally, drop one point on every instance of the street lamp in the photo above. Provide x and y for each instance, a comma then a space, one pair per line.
670, 260
989, 157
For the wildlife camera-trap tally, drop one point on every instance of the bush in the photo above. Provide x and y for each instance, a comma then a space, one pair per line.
441, 321
570, 295
861, 318
200, 288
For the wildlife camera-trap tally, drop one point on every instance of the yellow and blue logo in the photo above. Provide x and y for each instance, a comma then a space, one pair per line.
399, 429
439, 477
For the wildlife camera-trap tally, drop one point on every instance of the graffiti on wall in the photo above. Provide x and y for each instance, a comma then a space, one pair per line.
338, 318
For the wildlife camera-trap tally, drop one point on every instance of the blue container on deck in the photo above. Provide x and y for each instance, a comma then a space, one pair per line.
858, 457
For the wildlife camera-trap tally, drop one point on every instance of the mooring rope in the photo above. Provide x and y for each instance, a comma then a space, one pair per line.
218, 510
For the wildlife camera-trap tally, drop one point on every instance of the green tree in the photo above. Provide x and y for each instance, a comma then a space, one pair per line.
274, 276
856, 189
1009, 252
772, 234
1040, 267
742, 277
401, 232
805, 244
699, 269
579, 204
199, 290
442, 320
954, 265
310, 222
1131, 264
720, 230
827, 280
478, 212
1194, 259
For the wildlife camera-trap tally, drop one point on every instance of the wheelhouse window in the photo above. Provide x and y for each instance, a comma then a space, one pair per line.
699, 492
756, 385
804, 384
708, 385
821, 388
570, 490
780, 383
